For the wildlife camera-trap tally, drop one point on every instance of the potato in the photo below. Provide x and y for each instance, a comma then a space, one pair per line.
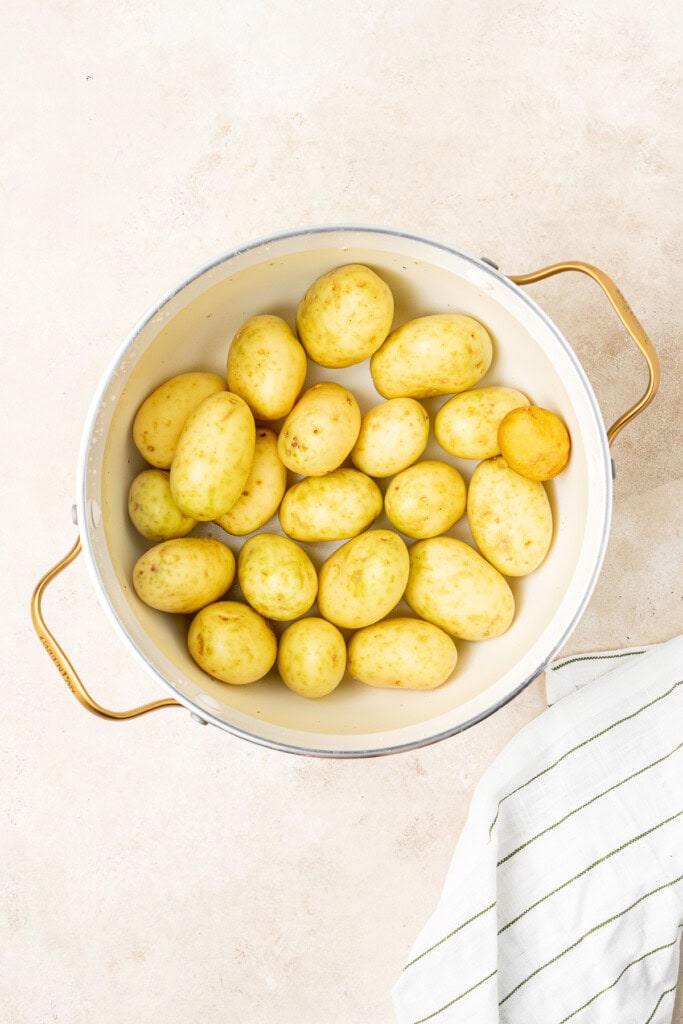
510, 517
466, 426
312, 657
152, 510
332, 507
262, 493
426, 499
213, 456
402, 653
534, 442
277, 577
364, 579
345, 316
320, 431
433, 355
451, 585
392, 436
160, 419
232, 642
266, 366
184, 575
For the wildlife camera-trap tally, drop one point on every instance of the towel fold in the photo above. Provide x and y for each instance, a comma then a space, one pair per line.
564, 899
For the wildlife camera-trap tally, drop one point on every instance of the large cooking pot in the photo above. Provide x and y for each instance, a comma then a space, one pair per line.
191, 328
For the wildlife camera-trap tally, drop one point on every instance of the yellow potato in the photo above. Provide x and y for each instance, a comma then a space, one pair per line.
312, 657
232, 642
184, 575
213, 456
451, 585
534, 442
426, 499
345, 316
466, 426
392, 436
262, 491
160, 419
320, 431
364, 579
510, 517
433, 355
266, 366
277, 577
402, 653
332, 507
152, 510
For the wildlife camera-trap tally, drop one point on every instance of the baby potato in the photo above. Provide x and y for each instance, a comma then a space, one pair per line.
312, 657
466, 426
160, 419
320, 431
433, 355
183, 575
262, 491
451, 585
426, 499
277, 577
534, 442
510, 517
266, 366
152, 510
364, 579
213, 456
392, 436
232, 643
332, 507
345, 316
402, 653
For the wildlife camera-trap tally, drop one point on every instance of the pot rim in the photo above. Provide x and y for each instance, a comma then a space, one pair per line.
204, 714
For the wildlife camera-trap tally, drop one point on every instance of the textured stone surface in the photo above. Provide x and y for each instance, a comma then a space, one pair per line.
156, 870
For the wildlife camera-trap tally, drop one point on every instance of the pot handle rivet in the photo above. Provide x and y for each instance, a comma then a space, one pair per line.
74, 515
196, 718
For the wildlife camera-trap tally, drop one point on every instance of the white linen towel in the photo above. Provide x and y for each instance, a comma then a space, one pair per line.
564, 899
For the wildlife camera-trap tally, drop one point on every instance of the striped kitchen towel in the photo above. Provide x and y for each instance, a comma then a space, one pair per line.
564, 899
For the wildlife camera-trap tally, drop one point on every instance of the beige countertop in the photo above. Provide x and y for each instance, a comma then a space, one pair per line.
154, 869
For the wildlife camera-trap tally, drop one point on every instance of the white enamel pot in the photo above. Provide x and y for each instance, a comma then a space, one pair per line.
191, 328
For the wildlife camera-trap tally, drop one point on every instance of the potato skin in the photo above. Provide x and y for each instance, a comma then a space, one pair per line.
152, 510
534, 442
345, 316
183, 575
213, 456
338, 505
263, 490
311, 657
277, 577
232, 642
466, 426
439, 354
510, 518
160, 419
426, 499
266, 366
402, 653
451, 585
392, 436
320, 431
364, 579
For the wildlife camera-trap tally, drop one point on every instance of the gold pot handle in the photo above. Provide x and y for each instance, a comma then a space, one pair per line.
628, 319
61, 660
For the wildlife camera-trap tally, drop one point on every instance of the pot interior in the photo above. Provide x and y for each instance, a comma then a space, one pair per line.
192, 329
